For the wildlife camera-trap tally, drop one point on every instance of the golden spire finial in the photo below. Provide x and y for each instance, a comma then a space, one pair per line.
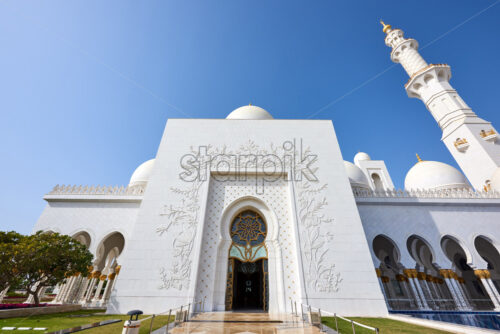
418, 157
250, 104
386, 28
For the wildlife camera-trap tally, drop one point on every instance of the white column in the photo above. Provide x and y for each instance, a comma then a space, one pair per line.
60, 289
425, 288
418, 294
67, 293
459, 293
417, 291
3, 293
403, 281
97, 295
41, 293
493, 288
439, 293
484, 275
448, 275
383, 285
433, 287
112, 280
108, 289
465, 293
75, 289
454, 294
83, 290
64, 290
92, 284
421, 292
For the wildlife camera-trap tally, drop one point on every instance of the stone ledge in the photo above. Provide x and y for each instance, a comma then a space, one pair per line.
28, 312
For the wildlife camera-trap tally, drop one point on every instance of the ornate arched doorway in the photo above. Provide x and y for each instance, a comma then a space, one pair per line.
247, 277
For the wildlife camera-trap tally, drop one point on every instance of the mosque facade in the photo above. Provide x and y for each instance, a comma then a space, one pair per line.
252, 212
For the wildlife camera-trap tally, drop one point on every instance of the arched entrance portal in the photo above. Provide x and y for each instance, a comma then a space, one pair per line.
247, 278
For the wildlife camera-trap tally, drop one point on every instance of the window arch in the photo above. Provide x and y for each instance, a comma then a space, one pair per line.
377, 181
248, 232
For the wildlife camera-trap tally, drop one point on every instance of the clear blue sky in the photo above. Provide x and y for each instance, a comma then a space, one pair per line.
86, 86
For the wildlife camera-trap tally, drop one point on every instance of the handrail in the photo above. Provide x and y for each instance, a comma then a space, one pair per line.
188, 312
375, 329
309, 318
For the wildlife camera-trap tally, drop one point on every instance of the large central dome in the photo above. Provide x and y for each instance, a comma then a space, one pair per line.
249, 112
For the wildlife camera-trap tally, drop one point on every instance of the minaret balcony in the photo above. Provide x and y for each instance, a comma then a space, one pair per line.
420, 80
489, 135
461, 144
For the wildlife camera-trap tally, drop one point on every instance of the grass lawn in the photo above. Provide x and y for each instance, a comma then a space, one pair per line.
386, 326
59, 321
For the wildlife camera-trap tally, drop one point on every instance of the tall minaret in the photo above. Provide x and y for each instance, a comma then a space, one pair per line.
471, 140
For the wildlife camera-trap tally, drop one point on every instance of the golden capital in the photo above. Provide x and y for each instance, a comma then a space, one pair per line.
410, 273
446, 273
384, 279
117, 269
379, 272
401, 278
112, 276
103, 277
482, 273
487, 273
421, 276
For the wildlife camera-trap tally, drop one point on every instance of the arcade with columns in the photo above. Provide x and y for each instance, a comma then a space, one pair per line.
423, 284
95, 289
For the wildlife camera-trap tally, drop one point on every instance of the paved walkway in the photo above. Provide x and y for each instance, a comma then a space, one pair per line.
243, 323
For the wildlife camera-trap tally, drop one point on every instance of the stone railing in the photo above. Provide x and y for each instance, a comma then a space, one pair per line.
443, 193
97, 190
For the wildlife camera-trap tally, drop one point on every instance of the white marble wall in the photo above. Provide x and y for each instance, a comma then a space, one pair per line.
98, 216
160, 268
432, 219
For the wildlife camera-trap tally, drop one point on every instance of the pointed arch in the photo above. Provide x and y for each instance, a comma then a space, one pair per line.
276, 284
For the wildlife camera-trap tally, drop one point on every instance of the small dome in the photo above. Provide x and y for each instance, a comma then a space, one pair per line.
141, 175
361, 156
356, 175
434, 175
249, 112
495, 180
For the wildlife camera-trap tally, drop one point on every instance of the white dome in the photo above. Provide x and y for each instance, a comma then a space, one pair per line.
249, 112
356, 175
361, 156
495, 180
141, 175
434, 175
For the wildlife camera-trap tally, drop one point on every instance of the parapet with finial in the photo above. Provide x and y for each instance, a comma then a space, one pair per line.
98, 193
417, 194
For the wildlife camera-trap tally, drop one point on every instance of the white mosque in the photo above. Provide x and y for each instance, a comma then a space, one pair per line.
252, 212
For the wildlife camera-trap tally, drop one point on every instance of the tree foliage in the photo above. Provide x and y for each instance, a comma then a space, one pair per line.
8, 247
44, 259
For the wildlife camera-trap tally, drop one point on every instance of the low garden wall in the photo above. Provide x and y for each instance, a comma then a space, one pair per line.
27, 312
